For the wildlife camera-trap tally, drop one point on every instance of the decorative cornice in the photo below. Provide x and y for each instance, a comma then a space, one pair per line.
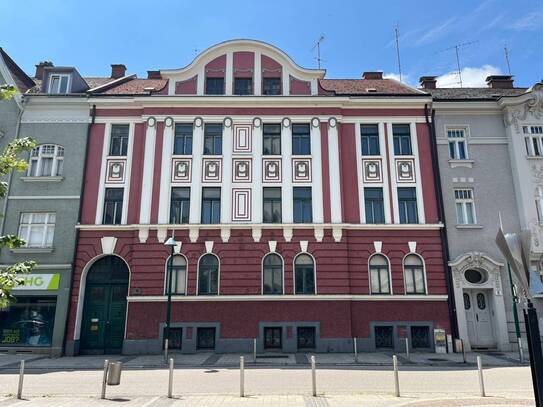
287, 297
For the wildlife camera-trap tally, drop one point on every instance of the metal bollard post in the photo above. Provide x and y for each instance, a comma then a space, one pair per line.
463, 351
520, 350
241, 376
104, 379
170, 381
407, 348
355, 350
313, 375
396, 378
166, 345
481, 380
21, 378
254, 350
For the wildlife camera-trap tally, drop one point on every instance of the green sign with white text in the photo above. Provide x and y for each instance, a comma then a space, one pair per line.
40, 282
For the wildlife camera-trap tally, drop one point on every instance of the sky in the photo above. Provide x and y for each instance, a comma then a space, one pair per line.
358, 35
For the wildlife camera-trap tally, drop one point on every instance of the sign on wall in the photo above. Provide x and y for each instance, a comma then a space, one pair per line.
40, 282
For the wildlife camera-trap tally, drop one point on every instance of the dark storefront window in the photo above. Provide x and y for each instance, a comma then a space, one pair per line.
384, 337
28, 322
273, 338
176, 338
420, 337
205, 338
306, 337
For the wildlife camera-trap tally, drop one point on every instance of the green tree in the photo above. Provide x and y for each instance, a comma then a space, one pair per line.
7, 92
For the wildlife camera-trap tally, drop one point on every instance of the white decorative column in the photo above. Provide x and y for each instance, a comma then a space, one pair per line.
333, 163
229, 73
226, 187
286, 188
148, 171
165, 172
257, 76
316, 165
196, 185
257, 173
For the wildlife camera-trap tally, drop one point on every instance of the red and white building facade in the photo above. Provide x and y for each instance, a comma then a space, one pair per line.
305, 211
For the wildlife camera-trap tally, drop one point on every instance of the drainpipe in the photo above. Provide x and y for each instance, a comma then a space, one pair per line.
441, 213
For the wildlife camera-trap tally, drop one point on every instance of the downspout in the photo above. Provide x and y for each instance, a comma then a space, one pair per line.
441, 214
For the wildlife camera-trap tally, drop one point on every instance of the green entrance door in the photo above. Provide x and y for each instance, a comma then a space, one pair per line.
104, 311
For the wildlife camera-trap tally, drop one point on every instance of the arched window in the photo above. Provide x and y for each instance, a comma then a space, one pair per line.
179, 275
208, 275
414, 275
272, 274
46, 160
379, 274
304, 274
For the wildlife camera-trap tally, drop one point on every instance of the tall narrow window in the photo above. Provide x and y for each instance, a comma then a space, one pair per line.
180, 205
213, 139
271, 86
401, 135
208, 275
243, 86
457, 144
113, 206
534, 140
465, 207
271, 205
407, 205
37, 229
373, 198
301, 139
272, 274
215, 86
179, 275
118, 145
369, 134
539, 203
271, 139
46, 160
304, 274
379, 274
303, 212
183, 139
211, 205
414, 275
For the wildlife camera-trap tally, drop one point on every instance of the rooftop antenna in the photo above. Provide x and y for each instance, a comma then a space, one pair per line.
457, 52
318, 46
506, 50
397, 35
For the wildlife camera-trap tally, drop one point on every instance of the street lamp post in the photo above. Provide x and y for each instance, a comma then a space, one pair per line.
172, 243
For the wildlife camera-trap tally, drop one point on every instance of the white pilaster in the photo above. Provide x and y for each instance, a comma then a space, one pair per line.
286, 188
286, 81
360, 174
196, 185
226, 187
148, 172
393, 183
257, 175
386, 179
200, 81
166, 175
101, 189
257, 76
316, 178
333, 164
229, 73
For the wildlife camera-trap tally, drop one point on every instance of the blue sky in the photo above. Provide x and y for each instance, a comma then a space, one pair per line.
359, 34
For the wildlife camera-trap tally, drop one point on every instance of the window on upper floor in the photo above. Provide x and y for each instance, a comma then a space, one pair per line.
215, 86
379, 274
407, 205
465, 207
271, 139
211, 205
118, 144
271, 211
180, 205
271, 86
539, 203
301, 139
213, 139
182, 144
373, 201
534, 140
369, 135
113, 206
272, 274
59, 83
37, 229
413, 268
303, 211
46, 160
243, 86
304, 274
457, 144
401, 135
208, 275
179, 275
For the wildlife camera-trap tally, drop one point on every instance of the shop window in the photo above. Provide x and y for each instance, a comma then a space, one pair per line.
420, 337
306, 337
176, 338
205, 338
273, 338
384, 337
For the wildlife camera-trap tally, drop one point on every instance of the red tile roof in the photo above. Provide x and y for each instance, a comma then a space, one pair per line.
136, 87
361, 86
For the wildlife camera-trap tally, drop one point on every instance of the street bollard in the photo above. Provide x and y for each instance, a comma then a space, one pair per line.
241, 376
170, 381
520, 350
21, 378
355, 351
313, 376
407, 348
254, 350
396, 378
463, 351
481, 380
104, 379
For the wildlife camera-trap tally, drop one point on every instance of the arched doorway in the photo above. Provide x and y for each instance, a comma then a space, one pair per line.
104, 310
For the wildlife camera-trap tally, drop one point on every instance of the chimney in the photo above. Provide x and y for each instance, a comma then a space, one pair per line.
372, 75
428, 82
154, 75
500, 81
118, 71
40, 67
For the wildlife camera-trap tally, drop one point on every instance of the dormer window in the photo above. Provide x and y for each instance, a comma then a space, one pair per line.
215, 86
243, 86
271, 86
59, 83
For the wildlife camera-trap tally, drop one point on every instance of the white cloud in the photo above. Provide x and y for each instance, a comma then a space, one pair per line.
531, 21
472, 77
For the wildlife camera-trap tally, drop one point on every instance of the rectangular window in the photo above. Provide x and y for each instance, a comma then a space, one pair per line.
533, 140
401, 135
113, 206
384, 337
271, 139
457, 144
176, 338
215, 86
118, 145
272, 205
243, 86
303, 211
273, 337
369, 134
271, 86
205, 338
465, 207
180, 205
420, 337
183, 139
37, 229
407, 205
306, 337
59, 83
213, 139
211, 205
46, 160
373, 198
379, 276
301, 139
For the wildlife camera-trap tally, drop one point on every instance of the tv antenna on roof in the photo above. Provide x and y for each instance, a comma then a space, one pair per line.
318, 46
456, 50
506, 50
397, 35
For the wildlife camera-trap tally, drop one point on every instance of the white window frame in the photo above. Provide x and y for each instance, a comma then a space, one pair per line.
174, 266
57, 156
423, 274
463, 201
456, 141
60, 76
390, 292
533, 133
30, 225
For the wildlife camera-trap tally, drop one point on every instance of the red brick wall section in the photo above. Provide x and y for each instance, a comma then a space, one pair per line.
92, 173
216, 68
349, 175
187, 87
427, 173
299, 87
